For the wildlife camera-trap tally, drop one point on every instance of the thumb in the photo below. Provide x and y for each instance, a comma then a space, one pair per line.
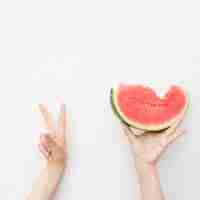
136, 131
173, 137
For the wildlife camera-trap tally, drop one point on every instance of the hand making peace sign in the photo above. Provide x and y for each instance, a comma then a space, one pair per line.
52, 144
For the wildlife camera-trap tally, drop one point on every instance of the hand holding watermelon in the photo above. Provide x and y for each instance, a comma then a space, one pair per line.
151, 125
147, 150
153, 118
149, 147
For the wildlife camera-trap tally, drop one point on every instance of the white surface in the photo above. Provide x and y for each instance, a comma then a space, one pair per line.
153, 42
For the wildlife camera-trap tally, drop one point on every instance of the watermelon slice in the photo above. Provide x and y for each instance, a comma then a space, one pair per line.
140, 107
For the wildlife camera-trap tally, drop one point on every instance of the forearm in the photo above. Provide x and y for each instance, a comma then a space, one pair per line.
149, 181
46, 185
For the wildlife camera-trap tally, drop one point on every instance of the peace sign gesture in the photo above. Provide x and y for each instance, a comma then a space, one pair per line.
52, 144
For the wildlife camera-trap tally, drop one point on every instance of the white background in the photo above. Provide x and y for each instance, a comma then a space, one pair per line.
152, 42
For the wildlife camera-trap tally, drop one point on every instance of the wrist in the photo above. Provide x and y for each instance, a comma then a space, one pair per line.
148, 179
56, 166
143, 167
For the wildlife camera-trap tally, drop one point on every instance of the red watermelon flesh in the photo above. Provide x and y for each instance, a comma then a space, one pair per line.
140, 106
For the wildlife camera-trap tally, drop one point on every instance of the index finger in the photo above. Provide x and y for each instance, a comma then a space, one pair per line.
132, 138
47, 118
62, 121
137, 132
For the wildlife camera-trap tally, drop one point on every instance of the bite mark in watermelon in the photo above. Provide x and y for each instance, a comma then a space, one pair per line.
140, 107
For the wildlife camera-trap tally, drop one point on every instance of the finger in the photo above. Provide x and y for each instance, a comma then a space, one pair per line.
43, 142
172, 129
175, 136
131, 137
48, 142
43, 151
62, 122
175, 125
125, 129
137, 132
126, 132
166, 141
47, 118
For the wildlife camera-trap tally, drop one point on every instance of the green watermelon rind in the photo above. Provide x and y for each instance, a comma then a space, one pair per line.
115, 110
143, 127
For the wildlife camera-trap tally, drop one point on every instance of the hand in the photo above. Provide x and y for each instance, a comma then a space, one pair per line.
52, 145
150, 146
